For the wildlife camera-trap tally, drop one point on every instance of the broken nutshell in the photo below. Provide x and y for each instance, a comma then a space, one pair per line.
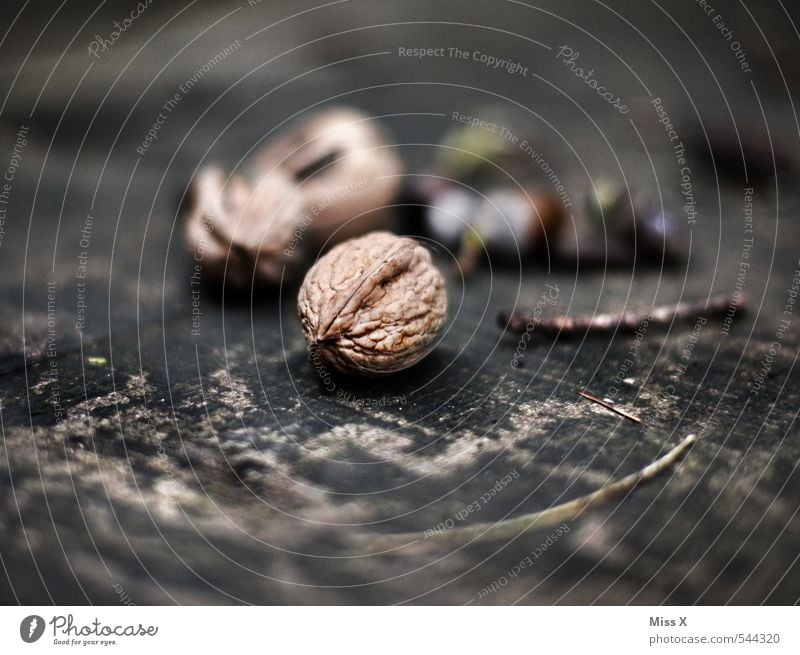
239, 233
328, 179
346, 170
373, 305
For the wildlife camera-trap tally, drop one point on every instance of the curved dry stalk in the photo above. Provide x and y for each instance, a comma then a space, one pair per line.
547, 518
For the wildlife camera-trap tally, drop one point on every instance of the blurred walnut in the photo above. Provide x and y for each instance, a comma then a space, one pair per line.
346, 170
373, 305
326, 180
241, 233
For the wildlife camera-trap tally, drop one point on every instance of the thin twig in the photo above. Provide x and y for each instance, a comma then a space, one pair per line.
527, 523
610, 406
519, 323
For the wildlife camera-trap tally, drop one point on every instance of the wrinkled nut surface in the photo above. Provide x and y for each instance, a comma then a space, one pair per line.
373, 305
242, 232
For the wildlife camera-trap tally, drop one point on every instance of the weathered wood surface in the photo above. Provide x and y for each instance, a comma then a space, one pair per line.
219, 468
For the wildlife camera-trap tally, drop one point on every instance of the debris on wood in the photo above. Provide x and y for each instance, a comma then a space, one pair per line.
610, 406
519, 323
514, 528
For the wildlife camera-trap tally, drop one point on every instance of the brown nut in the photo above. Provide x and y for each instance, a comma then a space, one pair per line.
373, 305
346, 170
242, 233
546, 221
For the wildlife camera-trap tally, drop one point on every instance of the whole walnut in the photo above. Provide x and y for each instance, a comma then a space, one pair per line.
373, 305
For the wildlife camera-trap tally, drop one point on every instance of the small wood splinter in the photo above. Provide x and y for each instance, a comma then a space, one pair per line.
553, 516
519, 323
610, 406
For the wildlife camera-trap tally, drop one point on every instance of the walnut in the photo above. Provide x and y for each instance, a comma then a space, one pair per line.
373, 305
330, 178
240, 232
347, 172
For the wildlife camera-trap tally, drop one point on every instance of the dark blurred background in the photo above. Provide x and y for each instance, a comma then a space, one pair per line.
137, 459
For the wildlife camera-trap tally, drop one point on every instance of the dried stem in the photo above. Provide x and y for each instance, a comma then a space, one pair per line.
548, 518
519, 323
610, 406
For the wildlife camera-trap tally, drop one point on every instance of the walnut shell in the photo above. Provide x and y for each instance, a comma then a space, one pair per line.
373, 305
346, 171
241, 232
